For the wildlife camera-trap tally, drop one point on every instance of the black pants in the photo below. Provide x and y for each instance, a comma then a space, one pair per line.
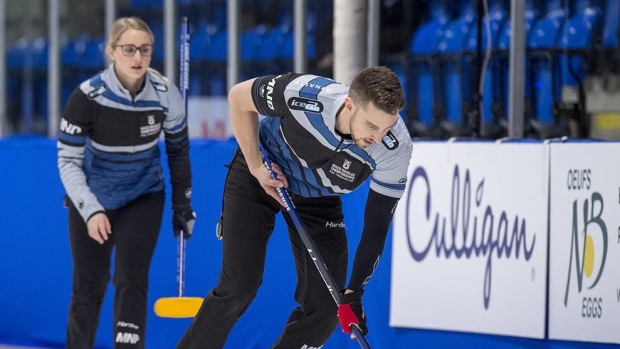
248, 221
135, 229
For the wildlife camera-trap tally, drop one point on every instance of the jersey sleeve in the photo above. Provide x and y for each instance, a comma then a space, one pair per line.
390, 176
74, 130
377, 219
268, 94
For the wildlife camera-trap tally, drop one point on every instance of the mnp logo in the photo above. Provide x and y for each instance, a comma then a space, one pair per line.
127, 338
66, 126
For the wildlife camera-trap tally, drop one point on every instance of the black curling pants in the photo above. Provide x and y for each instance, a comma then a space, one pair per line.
247, 223
135, 229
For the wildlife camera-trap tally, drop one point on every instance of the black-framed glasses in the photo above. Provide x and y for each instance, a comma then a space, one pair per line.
146, 50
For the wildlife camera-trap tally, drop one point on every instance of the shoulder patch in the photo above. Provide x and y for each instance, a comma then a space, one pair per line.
159, 86
96, 85
390, 141
97, 91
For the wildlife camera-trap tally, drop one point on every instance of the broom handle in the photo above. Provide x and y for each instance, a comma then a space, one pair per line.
181, 264
312, 250
184, 86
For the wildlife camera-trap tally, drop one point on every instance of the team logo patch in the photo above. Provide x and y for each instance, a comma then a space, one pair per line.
347, 164
390, 141
151, 128
309, 105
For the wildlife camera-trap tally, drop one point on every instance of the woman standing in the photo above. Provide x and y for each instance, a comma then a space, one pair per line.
110, 166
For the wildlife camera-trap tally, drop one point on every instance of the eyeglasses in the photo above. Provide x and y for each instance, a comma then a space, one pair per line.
130, 50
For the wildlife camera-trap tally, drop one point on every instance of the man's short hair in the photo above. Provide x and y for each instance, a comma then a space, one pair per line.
378, 85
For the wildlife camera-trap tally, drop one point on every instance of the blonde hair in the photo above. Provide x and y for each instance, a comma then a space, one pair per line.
123, 24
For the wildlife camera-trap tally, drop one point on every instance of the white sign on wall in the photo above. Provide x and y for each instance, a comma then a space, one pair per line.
584, 277
470, 239
208, 117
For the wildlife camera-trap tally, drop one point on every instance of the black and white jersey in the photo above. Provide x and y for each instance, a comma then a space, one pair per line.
299, 134
108, 153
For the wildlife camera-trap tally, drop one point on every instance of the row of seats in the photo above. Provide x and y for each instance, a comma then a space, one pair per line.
441, 75
438, 71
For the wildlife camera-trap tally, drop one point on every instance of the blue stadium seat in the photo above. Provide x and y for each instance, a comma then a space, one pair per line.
498, 16
502, 69
27, 68
283, 39
578, 36
576, 44
16, 55
146, 4
199, 44
157, 27
424, 96
71, 58
608, 55
40, 64
543, 71
251, 45
19, 98
455, 70
93, 58
208, 62
610, 27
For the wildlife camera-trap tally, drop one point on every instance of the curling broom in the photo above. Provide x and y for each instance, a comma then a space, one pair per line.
180, 306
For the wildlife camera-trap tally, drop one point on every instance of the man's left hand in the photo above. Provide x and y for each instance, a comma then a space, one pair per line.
351, 311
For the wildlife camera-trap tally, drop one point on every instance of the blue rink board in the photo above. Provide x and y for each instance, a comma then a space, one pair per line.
36, 265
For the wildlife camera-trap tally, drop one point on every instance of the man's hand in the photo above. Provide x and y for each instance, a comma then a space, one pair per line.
183, 220
270, 185
351, 311
99, 227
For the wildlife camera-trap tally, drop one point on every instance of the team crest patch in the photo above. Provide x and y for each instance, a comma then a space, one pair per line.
347, 164
151, 119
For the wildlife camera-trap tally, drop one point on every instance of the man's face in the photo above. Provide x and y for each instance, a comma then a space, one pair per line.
368, 126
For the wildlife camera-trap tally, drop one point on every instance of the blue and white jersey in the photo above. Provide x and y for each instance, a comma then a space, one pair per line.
108, 153
299, 134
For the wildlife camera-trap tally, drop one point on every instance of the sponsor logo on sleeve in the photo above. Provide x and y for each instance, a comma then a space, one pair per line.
309, 105
269, 90
67, 127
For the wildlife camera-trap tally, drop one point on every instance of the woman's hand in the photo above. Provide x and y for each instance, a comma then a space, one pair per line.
99, 228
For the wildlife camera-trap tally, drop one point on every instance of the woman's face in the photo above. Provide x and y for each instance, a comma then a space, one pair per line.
132, 55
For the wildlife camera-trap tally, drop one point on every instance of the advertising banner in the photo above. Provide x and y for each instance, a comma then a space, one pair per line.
470, 239
584, 253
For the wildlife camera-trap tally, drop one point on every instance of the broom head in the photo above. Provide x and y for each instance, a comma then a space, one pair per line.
177, 307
